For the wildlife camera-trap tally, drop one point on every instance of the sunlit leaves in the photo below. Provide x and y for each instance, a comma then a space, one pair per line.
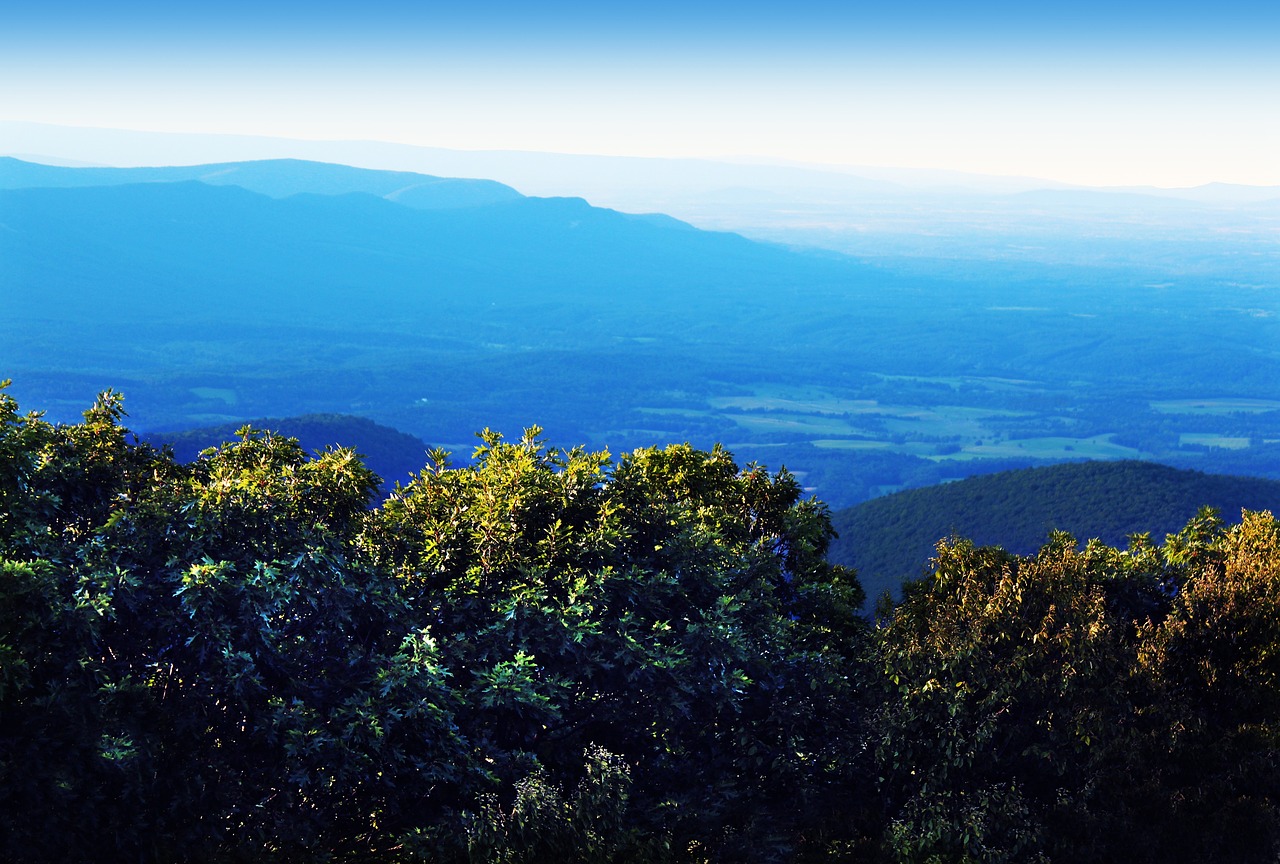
664, 606
1100, 704
240, 654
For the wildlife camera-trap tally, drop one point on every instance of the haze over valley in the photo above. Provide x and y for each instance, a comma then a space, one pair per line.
1136, 326
882, 246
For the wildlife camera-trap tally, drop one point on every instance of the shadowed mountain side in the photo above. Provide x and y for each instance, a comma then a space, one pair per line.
872, 213
277, 178
227, 254
208, 304
389, 453
892, 538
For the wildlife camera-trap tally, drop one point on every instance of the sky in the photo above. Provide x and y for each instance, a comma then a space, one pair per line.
1083, 92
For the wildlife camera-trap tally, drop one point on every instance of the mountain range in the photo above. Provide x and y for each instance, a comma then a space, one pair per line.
892, 538
277, 178
870, 211
217, 293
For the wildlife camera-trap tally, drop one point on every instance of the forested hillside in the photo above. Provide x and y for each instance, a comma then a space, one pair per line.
554, 655
219, 293
892, 538
387, 452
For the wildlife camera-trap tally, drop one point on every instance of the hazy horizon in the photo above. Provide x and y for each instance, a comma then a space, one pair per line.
1083, 94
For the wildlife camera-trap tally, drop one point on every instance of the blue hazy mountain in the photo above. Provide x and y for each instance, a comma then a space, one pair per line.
320, 290
877, 213
504, 313
277, 178
223, 252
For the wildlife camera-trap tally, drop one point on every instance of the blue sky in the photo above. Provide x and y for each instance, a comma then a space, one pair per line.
1088, 92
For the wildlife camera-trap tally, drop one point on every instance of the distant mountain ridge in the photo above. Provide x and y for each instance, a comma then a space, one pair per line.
391, 454
892, 538
869, 212
343, 299
276, 178
179, 238
547, 172
211, 301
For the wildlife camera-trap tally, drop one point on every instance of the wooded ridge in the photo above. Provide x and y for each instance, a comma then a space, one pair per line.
557, 655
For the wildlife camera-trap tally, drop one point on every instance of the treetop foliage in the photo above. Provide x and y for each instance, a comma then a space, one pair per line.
1088, 704
239, 654
555, 655
891, 538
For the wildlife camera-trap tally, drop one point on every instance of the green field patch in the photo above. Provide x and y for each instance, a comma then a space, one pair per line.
803, 424
944, 421
1215, 406
215, 393
985, 381
830, 419
1210, 439
851, 444
801, 405
210, 419
818, 403
1097, 447
675, 412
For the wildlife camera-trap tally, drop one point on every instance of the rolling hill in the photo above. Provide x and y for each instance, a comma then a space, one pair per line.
226, 252
213, 294
389, 453
891, 538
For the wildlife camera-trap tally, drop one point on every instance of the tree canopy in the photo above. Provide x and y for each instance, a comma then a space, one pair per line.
541, 655
557, 655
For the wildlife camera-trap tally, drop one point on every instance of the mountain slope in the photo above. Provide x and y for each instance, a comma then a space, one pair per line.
214, 303
277, 178
229, 254
389, 453
438, 321
891, 538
